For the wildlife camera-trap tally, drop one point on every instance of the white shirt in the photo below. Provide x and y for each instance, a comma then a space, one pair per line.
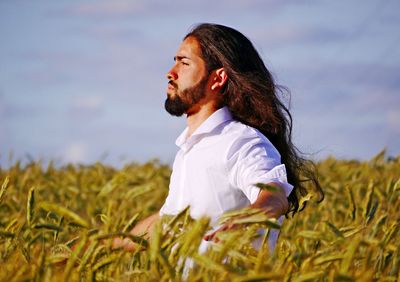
216, 169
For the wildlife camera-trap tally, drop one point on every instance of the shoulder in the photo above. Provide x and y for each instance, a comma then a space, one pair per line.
244, 140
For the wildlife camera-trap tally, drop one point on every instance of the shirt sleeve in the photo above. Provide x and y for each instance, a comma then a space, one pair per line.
257, 161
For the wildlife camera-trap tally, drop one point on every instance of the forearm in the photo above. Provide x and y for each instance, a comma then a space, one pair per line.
144, 228
274, 203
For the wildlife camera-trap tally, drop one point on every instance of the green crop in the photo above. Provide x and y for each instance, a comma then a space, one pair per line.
353, 235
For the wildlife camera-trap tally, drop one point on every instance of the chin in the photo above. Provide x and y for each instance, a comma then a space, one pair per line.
175, 106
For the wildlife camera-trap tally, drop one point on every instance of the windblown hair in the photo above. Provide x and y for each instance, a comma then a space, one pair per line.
252, 97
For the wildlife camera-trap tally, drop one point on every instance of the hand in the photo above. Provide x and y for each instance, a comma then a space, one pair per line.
226, 226
123, 243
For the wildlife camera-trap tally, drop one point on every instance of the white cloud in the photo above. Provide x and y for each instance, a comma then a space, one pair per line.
393, 119
109, 8
75, 152
91, 103
84, 107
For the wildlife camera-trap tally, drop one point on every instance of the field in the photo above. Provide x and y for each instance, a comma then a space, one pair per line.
353, 235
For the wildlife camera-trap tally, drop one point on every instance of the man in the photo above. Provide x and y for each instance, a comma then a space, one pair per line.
238, 133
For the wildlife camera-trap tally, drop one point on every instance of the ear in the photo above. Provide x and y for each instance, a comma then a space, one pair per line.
219, 79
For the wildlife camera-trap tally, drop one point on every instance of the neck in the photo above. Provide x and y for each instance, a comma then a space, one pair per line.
197, 115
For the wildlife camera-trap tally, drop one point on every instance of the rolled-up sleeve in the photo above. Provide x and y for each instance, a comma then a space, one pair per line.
257, 161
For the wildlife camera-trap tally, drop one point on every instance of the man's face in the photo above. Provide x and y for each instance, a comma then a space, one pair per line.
187, 79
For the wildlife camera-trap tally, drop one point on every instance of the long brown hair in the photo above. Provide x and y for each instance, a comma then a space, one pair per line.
252, 97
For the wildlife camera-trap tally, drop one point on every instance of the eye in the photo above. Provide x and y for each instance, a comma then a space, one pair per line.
183, 63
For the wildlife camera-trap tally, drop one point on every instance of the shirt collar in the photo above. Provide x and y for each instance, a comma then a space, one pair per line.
217, 118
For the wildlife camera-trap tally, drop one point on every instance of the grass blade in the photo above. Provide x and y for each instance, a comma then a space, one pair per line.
64, 212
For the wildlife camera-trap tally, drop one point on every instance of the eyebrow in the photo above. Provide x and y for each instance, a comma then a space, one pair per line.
180, 58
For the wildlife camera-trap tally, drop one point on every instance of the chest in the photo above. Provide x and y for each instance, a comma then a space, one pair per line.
201, 179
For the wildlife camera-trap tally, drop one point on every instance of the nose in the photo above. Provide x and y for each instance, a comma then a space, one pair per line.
171, 75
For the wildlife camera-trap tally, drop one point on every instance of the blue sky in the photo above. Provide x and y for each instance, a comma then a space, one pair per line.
82, 81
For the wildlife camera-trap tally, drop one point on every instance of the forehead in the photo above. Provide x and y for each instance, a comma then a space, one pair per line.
189, 48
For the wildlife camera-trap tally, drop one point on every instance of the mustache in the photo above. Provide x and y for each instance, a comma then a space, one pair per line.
173, 84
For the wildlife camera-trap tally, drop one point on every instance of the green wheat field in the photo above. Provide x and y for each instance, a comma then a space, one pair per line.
353, 235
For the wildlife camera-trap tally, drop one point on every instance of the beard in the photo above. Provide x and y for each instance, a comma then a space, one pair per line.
183, 100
